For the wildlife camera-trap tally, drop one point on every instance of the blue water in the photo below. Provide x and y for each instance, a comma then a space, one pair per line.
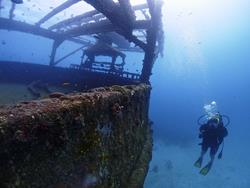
206, 58
204, 61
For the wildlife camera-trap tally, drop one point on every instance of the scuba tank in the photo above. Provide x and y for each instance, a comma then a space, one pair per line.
211, 110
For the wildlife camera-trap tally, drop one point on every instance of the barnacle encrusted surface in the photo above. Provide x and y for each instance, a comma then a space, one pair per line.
100, 138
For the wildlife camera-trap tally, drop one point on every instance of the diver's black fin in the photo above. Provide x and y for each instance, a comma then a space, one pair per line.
206, 169
198, 163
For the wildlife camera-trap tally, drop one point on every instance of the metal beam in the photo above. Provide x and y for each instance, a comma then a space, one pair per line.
128, 11
74, 19
90, 28
58, 9
102, 27
12, 9
13, 25
79, 41
69, 54
87, 15
110, 9
131, 49
155, 9
0, 4
56, 44
118, 20
71, 25
27, 28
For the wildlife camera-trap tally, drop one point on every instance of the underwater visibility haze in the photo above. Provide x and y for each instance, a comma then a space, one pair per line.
206, 60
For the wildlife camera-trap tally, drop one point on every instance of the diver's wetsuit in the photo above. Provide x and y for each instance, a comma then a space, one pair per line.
212, 134
212, 137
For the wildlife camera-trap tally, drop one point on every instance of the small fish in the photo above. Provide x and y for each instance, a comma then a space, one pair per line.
3, 42
17, 1
66, 84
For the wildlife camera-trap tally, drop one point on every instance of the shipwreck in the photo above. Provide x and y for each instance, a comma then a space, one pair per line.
98, 133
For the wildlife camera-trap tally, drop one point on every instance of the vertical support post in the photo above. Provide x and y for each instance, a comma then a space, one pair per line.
152, 36
112, 67
11, 14
82, 57
56, 44
148, 62
0, 6
91, 60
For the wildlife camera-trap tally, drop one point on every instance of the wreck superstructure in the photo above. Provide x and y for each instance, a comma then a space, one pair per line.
83, 137
122, 26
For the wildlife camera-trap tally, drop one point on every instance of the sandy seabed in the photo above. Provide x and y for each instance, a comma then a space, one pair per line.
232, 171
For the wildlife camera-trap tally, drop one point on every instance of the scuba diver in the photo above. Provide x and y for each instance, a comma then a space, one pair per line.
212, 134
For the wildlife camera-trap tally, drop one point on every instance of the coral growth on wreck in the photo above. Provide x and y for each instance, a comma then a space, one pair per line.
100, 138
